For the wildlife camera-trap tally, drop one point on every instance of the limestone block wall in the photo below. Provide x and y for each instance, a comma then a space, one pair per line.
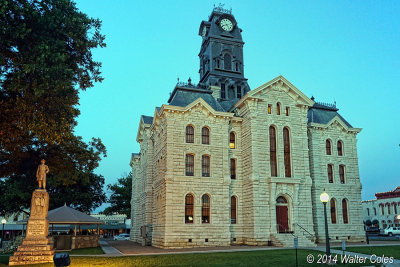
350, 190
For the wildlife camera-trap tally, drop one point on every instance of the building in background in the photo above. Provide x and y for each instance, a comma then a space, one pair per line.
221, 164
383, 210
114, 224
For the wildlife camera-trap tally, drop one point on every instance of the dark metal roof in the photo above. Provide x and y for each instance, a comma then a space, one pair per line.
147, 119
183, 97
323, 114
135, 154
67, 215
228, 104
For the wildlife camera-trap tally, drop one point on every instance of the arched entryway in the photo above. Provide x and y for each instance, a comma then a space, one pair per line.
282, 215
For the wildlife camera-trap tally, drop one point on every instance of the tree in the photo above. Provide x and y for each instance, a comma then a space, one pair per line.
45, 61
121, 193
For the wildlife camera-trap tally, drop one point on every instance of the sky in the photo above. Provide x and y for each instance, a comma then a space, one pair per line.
343, 51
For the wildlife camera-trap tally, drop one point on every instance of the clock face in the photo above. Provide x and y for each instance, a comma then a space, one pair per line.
204, 32
226, 25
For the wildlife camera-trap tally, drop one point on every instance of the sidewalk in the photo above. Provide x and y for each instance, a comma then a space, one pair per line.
109, 250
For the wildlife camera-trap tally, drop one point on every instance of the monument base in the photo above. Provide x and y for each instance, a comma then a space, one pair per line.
36, 246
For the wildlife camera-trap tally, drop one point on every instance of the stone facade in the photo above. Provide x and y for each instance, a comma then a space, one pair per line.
384, 209
271, 206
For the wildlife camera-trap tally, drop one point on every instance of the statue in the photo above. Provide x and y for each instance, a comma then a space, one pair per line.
41, 172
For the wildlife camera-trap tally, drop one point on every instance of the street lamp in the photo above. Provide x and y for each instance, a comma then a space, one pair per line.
2, 232
324, 197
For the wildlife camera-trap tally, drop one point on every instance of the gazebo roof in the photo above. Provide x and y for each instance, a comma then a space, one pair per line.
67, 215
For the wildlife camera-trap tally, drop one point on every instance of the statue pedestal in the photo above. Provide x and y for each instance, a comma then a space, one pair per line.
36, 246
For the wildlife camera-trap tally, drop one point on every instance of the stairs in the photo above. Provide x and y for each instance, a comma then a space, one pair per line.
287, 240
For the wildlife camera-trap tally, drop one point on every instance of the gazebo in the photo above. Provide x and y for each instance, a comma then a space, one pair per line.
74, 237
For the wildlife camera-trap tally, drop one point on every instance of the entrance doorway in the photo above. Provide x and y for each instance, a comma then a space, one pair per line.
282, 218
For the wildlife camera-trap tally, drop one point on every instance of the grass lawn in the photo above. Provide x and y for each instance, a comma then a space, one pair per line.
281, 257
388, 251
86, 251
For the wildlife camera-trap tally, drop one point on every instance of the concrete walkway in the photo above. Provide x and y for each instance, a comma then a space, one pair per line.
395, 262
109, 250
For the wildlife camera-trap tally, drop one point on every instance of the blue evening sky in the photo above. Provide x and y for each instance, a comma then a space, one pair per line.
343, 51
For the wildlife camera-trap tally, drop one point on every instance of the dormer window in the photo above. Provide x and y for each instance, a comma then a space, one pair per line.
227, 62
238, 91
223, 92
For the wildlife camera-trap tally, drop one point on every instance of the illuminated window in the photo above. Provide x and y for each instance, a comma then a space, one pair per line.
333, 210
232, 140
286, 152
328, 147
330, 173
344, 211
233, 168
287, 111
340, 148
205, 166
278, 108
189, 203
233, 209
189, 165
269, 108
189, 134
272, 151
341, 174
205, 209
205, 136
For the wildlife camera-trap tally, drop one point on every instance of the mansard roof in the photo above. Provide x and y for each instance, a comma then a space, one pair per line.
183, 97
324, 114
147, 119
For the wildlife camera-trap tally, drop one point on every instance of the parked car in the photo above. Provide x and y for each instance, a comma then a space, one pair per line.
122, 237
390, 231
373, 230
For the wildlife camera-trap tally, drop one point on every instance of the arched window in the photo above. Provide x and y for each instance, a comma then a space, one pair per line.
269, 108
328, 147
388, 205
383, 210
340, 148
233, 209
367, 211
330, 173
205, 209
205, 166
223, 91
375, 211
232, 140
227, 62
278, 108
272, 151
341, 174
287, 111
344, 211
286, 152
281, 200
333, 210
233, 168
189, 134
189, 207
218, 64
189, 164
238, 91
205, 136
395, 208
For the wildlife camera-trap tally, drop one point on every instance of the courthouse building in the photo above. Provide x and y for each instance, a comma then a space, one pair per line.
222, 164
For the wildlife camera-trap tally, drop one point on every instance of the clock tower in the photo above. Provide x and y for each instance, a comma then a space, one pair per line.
221, 56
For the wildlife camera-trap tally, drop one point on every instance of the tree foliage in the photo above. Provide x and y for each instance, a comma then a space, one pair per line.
45, 61
120, 198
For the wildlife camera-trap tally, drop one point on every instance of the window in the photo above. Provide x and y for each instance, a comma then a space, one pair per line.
367, 211
395, 208
189, 203
278, 108
341, 174
330, 173
333, 210
205, 166
238, 91
189, 134
232, 143
227, 62
269, 108
344, 211
375, 211
233, 210
382, 210
287, 111
272, 151
388, 205
205, 209
223, 93
205, 136
233, 168
218, 64
286, 151
237, 66
328, 147
189, 165
340, 148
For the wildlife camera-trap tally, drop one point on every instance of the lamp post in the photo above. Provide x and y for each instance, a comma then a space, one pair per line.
324, 197
2, 232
